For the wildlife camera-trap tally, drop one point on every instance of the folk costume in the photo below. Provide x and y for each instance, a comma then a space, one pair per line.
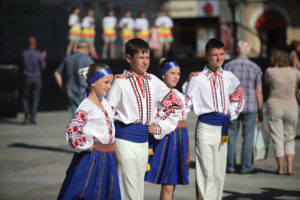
109, 31
164, 24
127, 26
142, 28
88, 29
169, 156
92, 174
135, 108
75, 28
216, 98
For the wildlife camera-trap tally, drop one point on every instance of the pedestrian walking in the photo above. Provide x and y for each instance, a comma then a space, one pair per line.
250, 76
71, 83
33, 63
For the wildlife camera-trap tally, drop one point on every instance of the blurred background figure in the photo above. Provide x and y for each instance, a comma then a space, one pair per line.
141, 26
72, 84
164, 24
75, 30
88, 32
294, 54
154, 41
250, 76
282, 108
127, 26
109, 24
33, 63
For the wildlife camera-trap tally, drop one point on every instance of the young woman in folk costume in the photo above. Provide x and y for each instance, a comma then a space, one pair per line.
75, 30
127, 26
92, 173
109, 24
141, 26
88, 32
170, 162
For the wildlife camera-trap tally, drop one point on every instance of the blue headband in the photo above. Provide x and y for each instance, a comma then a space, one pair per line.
98, 75
168, 66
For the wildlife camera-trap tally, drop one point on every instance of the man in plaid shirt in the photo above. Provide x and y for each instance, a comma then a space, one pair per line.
250, 76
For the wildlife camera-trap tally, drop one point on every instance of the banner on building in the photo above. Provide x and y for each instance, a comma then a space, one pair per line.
192, 8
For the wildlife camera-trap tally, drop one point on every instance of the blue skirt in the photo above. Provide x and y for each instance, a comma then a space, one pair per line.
169, 163
91, 175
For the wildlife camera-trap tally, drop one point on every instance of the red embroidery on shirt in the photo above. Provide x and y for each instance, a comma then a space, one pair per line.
75, 129
237, 96
109, 126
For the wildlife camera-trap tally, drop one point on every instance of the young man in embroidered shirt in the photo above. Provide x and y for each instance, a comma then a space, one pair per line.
135, 100
216, 96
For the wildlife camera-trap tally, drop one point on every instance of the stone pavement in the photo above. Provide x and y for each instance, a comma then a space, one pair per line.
34, 158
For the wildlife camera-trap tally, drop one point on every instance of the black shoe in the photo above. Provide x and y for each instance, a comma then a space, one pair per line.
253, 171
229, 171
33, 122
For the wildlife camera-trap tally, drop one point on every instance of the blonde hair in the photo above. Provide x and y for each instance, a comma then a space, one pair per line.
279, 58
93, 68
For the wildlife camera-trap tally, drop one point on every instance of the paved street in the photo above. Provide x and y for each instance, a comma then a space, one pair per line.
33, 161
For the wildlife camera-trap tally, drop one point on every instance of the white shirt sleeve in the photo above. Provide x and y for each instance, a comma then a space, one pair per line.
236, 98
172, 107
73, 20
76, 137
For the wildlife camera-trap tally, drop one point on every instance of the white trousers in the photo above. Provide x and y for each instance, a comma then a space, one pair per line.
211, 158
132, 163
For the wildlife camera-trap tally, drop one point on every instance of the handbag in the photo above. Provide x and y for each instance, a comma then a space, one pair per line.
261, 143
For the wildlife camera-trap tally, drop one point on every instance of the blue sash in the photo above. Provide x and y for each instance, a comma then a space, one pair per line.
137, 133
217, 119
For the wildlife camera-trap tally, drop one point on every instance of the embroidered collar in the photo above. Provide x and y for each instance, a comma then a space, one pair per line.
128, 74
208, 73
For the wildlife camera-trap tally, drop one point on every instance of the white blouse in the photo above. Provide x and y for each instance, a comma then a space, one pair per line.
109, 22
74, 20
88, 22
131, 106
126, 22
220, 92
141, 24
90, 123
164, 21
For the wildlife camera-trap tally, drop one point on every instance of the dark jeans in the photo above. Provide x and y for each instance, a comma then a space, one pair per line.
31, 85
248, 120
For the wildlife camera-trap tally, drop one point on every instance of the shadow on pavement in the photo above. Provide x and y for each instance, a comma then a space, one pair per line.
10, 121
267, 193
30, 146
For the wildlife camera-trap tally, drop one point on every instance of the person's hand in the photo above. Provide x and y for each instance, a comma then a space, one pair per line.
193, 74
44, 53
152, 129
91, 148
122, 76
259, 116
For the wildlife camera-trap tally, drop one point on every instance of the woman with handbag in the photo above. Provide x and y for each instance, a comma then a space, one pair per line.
282, 108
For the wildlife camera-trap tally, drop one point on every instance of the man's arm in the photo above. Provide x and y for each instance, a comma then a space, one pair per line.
260, 101
59, 80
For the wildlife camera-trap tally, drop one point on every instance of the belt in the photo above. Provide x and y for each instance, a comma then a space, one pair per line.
181, 124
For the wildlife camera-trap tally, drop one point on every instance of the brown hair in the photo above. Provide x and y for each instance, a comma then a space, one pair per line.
135, 45
93, 68
279, 58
